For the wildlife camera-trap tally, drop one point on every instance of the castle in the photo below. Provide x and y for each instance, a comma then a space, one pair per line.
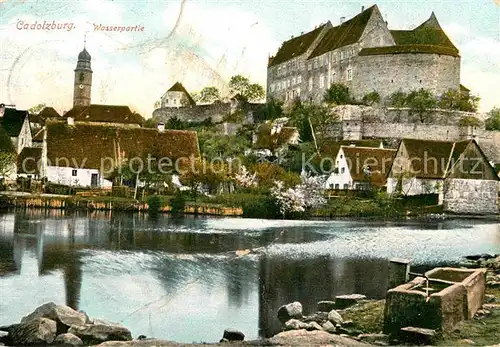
366, 56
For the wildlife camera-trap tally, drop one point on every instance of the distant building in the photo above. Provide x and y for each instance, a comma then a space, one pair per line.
366, 56
103, 115
360, 168
177, 96
82, 85
458, 172
16, 124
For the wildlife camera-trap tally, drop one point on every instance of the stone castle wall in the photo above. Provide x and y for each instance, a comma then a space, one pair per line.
458, 194
389, 73
198, 113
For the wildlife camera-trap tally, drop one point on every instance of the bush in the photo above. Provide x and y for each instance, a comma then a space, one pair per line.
371, 98
154, 205
178, 203
470, 121
261, 206
338, 94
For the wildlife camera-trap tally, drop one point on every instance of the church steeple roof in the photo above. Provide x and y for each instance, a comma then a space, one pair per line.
84, 58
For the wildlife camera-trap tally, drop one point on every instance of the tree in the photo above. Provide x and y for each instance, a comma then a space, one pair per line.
36, 109
149, 123
453, 99
7, 162
157, 104
470, 121
493, 120
420, 102
175, 124
371, 98
214, 145
398, 99
270, 111
208, 95
337, 94
241, 85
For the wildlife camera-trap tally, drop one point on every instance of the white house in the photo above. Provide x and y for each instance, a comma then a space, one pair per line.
360, 167
177, 96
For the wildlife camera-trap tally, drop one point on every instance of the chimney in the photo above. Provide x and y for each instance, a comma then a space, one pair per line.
362, 8
2, 110
342, 20
161, 127
71, 121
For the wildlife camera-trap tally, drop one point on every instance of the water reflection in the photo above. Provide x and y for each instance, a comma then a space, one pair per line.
181, 279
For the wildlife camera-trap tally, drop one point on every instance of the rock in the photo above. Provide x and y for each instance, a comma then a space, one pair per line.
490, 299
335, 317
418, 335
64, 316
326, 306
493, 284
374, 338
37, 331
319, 317
233, 335
349, 331
68, 340
142, 337
344, 301
468, 341
348, 324
101, 331
329, 327
312, 338
295, 324
223, 340
292, 310
478, 256
314, 326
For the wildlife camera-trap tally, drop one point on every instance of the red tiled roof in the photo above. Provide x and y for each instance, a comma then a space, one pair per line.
104, 114
375, 161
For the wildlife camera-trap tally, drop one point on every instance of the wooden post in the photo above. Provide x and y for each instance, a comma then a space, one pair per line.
399, 272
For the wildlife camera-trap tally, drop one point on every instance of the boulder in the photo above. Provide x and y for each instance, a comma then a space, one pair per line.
292, 310
38, 331
319, 317
378, 339
418, 335
313, 326
335, 317
68, 340
64, 316
295, 324
233, 335
329, 327
326, 306
101, 331
344, 301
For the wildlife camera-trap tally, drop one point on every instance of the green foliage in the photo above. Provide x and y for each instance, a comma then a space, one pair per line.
398, 99
261, 206
453, 99
271, 111
337, 94
208, 95
149, 123
154, 205
470, 121
178, 203
420, 102
175, 123
157, 104
216, 145
493, 120
267, 173
371, 98
241, 85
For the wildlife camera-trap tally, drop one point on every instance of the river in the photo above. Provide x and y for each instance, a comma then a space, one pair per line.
181, 279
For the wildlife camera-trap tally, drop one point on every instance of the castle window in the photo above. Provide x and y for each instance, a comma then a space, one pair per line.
298, 91
288, 83
315, 63
73, 173
341, 55
299, 80
349, 74
342, 170
175, 101
167, 101
346, 186
337, 186
284, 84
310, 83
321, 81
294, 81
309, 66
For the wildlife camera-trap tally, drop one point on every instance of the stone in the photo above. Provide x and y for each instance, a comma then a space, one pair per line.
314, 326
319, 317
100, 332
68, 340
326, 306
37, 331
233, 335
418, 335
64, 316
374, 338
295, 324
312, 338
292, 310
223, 340
474, 257
329, 327
468, 341
489, 298
344, 301
348, 324
335, 317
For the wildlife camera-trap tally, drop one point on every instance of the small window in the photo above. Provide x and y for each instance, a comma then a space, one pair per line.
309, 66
299, 80
341, 55
321, 81
294, 81
337, 186
341, 156
331, 185
342, 170
346, 186
175, 101
73, 173
298, 91
167, 101
310, 83
349, 74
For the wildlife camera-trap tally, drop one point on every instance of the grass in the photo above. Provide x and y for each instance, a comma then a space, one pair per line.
366, 316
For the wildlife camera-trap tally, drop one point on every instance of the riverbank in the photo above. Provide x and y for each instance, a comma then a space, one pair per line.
241, 205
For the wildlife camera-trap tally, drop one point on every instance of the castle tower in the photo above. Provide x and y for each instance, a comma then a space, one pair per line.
83, 79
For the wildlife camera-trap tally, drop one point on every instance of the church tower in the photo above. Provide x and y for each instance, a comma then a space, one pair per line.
83, 80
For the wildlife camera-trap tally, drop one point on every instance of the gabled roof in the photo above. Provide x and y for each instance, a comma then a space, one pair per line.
266, 140
12, 121
104, 114
38, 136
330, 147
178, 87
436, 159
375, 161
28, 161
87, 145
428, 37
345, 34
296, 46
48, 112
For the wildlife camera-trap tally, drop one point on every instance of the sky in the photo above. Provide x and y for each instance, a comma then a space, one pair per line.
202, 43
